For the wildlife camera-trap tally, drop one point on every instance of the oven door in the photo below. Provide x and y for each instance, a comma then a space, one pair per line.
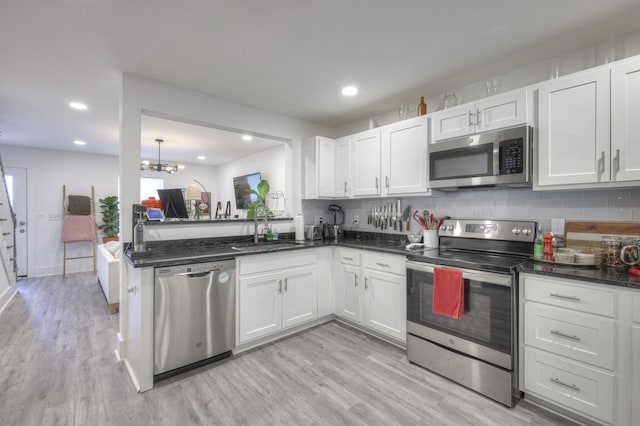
485, 331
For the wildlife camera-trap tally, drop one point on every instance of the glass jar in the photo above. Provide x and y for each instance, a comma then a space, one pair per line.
450, 100
611, 247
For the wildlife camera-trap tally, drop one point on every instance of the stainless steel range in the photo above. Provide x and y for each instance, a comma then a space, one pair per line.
478, 349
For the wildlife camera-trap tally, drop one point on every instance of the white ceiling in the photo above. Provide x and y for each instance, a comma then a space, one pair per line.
288, 56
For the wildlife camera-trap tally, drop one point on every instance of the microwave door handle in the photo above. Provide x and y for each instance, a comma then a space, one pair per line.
496, 158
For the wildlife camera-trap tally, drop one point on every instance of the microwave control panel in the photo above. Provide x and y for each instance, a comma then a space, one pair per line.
512, 156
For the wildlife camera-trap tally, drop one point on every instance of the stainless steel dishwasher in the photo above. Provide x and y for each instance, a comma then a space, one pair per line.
194, 316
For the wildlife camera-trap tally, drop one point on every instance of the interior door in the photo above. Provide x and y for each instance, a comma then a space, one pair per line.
16, 180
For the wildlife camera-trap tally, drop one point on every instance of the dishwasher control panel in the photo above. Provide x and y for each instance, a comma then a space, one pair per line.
194, 268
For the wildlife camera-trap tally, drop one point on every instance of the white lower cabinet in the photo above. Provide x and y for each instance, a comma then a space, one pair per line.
371, 291
281, 295
581, 351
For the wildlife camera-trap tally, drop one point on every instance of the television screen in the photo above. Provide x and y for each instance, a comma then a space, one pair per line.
240, 186
173, 203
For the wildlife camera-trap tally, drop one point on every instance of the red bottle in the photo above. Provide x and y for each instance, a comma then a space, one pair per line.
548, 245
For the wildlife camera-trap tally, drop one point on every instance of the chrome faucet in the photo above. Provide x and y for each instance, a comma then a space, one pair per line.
265, 210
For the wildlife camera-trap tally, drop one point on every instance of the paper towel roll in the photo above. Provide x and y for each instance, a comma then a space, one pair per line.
298, 222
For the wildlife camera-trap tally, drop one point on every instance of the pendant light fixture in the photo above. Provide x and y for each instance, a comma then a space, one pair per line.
159, 166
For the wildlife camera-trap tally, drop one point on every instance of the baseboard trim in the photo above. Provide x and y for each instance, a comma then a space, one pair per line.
7, 297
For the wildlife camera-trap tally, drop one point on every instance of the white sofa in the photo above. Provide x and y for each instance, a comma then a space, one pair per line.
108, 268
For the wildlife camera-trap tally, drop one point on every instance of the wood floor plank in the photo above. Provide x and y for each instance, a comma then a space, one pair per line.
58, 368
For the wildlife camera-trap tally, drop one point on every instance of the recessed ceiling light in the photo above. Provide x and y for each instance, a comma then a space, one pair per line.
201, 157
79, 143
78, 105
350, 90
247, 138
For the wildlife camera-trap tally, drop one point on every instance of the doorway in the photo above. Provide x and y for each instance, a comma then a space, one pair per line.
16, 181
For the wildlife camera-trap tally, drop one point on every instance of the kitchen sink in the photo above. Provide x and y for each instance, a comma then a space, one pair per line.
264, 245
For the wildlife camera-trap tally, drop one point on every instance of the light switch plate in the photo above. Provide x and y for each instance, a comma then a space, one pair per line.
318, 220
557, 226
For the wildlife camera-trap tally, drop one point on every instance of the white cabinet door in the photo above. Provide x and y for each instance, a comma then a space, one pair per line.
325, 167
404, 157
452, 123
573, 133
625, 121
299, 296
349, 293
509, 109
260, 305
342, 167
365, 157
385, 303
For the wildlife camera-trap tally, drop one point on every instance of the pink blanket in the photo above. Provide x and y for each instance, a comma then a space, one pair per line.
78, 228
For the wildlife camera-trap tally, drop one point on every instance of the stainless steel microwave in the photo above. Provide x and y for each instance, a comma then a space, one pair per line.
497, 158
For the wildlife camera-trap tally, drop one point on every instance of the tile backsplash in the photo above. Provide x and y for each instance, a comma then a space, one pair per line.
621, 205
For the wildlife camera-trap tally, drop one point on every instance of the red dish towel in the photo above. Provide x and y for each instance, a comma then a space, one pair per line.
448, 292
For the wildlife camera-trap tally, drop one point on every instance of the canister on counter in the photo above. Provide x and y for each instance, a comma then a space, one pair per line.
611, 246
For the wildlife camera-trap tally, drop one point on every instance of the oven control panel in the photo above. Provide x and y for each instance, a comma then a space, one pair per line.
506, 230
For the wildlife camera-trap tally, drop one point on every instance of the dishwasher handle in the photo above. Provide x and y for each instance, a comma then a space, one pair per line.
195, 274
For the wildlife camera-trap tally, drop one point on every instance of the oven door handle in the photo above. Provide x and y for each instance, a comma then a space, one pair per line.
487, 277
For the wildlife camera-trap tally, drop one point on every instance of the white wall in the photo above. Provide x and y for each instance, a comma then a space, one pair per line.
270, 163
47, 171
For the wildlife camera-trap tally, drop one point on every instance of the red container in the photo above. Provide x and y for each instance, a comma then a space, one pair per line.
152, 203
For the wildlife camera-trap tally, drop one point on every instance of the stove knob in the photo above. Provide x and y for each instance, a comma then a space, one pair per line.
516, 231
449, 228
526, 231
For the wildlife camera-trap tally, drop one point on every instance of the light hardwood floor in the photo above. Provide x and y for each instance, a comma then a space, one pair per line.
57, 367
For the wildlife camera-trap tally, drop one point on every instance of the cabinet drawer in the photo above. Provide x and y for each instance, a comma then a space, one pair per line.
569, 295
636, 308
349, 257
564, 382
274, 262
583, 337
384, 263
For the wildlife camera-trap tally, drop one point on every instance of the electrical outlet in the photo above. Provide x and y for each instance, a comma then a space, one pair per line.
318, 220
557, 226
356, 219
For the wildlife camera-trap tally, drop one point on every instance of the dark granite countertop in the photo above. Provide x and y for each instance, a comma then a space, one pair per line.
179, 252
594, 274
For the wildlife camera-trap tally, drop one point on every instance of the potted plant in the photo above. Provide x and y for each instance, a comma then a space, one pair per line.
263, 189
110, 218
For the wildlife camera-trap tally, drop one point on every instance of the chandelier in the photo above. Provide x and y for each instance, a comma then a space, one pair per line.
159, 166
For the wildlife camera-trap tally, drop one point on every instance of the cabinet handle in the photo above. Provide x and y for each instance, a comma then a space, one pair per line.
366, 283
560, 296
566, 336
601, 166
347, 258
280, 286
345, 188
355, 281
484, 117
377, 182
470, 122
286, 282
616, 164
387, 181
559, 382
384, 265
478, 117
131, 289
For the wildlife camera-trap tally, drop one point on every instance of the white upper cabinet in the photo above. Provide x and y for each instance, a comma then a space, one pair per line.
573, 129
318, 162
342, 166
625, 117
404, 157
504, 110
365, 163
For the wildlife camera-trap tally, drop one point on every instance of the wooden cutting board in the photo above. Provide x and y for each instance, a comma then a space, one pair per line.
587, 236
